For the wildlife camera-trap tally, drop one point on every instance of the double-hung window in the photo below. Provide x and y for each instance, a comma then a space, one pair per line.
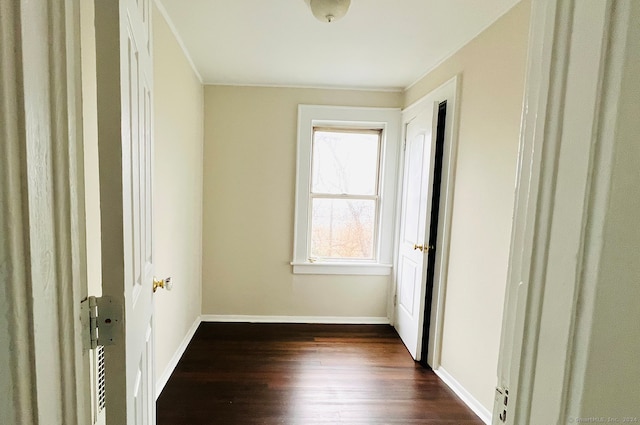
345, 190
344, 195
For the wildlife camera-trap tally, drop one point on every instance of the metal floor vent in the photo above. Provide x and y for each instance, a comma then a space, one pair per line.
101, 379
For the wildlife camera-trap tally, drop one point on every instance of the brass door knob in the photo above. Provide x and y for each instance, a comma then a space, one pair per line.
422, 248
164, 284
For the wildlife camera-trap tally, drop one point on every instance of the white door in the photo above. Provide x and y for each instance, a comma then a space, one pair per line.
124, 91
413, 241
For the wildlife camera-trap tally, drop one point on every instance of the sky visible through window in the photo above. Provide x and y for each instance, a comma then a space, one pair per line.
344, 194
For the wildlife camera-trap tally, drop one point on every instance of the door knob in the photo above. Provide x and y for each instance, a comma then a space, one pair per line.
164, 284
422, 248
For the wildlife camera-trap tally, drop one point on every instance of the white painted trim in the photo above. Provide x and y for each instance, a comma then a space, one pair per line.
527, 196
311, 87
483, 413
363, 269
171, 366
445, 225
45, 369
387, 119
174, 30
457, 49
18, 404
449, 92
346, 320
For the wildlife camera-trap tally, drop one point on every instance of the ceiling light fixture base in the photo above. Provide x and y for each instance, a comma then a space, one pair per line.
329, 10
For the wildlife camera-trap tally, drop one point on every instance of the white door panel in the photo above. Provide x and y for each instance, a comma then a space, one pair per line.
125, 82
415, 208
413, 181
408, 276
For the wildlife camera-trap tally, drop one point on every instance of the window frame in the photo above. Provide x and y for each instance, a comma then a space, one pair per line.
388, 122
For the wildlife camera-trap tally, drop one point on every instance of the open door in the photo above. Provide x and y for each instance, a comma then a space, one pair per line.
413, 243
124, 75
423, 233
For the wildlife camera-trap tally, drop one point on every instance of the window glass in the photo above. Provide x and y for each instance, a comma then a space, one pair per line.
343, 228
344, 193
345, 162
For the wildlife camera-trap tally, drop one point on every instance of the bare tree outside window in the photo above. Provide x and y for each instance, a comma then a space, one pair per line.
344, 193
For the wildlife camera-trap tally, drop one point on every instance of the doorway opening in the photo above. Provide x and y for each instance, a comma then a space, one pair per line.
433, 227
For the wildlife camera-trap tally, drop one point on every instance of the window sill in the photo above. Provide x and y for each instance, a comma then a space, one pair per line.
373, 269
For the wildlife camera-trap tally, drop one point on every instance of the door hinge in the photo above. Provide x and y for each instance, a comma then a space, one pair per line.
395, 299
101, 318
501, 403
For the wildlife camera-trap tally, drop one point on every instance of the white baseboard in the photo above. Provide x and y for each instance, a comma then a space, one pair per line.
347, 320
465, 396
164, 378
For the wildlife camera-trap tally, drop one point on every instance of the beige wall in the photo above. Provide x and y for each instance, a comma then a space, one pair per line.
177, 191
492, 69
249, 182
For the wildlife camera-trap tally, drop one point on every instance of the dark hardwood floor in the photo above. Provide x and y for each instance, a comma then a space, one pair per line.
239, 373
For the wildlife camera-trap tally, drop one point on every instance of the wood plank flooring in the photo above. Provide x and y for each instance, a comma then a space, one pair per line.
239, 373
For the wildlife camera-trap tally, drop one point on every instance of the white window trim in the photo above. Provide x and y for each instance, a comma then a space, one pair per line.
387, 119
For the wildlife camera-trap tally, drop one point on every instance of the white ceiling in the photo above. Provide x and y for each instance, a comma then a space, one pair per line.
382, 44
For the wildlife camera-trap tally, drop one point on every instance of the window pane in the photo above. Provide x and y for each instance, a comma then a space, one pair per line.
345, 163
342, 228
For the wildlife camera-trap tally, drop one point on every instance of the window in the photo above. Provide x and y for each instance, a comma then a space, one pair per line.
344, 196
345, 193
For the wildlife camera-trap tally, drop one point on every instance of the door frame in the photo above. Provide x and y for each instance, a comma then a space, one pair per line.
567, 139
447, 91
439, 141
42, 251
